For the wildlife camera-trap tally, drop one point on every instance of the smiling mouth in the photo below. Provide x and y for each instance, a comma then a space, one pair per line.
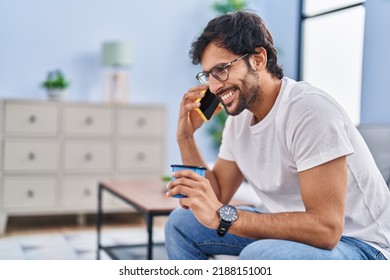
226, 96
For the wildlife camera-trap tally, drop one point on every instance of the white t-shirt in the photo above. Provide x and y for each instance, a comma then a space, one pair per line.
306, 128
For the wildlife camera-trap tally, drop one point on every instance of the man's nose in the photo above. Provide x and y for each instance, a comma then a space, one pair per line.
214, 84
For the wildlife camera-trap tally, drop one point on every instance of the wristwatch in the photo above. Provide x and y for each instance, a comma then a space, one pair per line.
227, 216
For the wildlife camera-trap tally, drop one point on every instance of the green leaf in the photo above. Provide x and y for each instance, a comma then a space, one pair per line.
229, 6
55, 80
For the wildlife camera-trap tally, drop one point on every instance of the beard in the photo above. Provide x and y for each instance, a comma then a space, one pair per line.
247, 93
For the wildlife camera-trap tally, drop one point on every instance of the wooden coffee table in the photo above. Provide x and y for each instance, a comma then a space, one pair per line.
146, 197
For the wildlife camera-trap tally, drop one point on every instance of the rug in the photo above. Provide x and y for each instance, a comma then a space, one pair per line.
78, 245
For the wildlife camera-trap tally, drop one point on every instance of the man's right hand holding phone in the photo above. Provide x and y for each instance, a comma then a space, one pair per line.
189, 118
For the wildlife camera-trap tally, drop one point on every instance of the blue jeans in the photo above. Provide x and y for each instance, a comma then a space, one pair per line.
187, 239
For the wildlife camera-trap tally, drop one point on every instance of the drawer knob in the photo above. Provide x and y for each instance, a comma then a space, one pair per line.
141, 156
141, 122
87, 192
30, 193
88, 157
31, 156
89, 121
32, 119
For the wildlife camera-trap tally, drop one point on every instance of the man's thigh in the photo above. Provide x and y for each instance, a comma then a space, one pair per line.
273, 249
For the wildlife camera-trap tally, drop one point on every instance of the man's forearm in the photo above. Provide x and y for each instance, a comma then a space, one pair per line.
302, 227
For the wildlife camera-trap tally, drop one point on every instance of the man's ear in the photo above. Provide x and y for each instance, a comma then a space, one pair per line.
260, 58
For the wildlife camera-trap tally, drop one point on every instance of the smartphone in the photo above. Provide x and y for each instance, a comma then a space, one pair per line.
208, 103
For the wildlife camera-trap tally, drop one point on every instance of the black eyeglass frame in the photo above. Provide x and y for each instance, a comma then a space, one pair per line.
222, 68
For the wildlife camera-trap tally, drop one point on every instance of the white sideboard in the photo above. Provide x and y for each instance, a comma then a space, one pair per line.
54, 153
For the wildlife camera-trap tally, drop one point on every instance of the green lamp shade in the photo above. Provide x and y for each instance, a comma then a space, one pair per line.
117, 54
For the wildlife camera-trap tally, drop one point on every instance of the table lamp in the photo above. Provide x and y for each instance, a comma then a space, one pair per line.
117, 56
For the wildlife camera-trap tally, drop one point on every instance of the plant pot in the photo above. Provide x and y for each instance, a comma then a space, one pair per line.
55, 94
164, 182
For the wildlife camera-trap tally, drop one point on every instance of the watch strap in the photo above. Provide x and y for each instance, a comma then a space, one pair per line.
223, 228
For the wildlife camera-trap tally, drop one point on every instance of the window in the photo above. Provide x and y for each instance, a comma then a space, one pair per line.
332, 50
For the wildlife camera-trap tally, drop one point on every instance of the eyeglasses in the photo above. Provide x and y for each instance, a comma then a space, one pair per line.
219, 72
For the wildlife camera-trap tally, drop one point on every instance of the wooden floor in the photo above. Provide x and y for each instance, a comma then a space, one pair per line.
52, 224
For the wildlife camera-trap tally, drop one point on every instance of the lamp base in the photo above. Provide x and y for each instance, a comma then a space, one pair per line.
116, 87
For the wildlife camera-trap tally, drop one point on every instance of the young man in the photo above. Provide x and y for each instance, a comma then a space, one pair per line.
324, 197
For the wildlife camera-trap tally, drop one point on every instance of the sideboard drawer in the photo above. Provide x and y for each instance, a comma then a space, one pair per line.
141, 122
26, 118
86, 120
79, 191
30, 155
29, 192
139, 156
87, 156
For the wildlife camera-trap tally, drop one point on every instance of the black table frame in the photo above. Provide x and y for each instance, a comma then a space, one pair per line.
148, 217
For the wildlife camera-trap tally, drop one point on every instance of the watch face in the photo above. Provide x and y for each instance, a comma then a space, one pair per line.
228, 213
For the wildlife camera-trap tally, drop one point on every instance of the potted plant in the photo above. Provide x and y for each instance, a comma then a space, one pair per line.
229, 6
55, 84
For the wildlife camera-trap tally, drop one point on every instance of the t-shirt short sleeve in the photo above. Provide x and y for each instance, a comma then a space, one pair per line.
316, 131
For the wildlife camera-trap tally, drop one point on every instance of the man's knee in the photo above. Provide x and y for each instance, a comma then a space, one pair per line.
178, 215
179, 219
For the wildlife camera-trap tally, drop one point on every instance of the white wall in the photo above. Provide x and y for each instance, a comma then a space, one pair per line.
41, 35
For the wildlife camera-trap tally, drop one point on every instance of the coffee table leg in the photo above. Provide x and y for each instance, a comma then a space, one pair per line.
149, 225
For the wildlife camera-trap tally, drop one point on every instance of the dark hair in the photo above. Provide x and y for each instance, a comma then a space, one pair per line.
240, 33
